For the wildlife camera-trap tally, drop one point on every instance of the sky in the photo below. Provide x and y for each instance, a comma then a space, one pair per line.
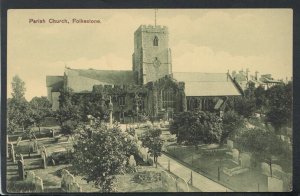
201, 40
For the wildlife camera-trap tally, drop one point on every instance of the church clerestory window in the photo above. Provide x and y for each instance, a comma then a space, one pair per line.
155, 41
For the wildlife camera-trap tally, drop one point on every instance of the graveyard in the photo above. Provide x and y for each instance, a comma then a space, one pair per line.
236, 170
43, 165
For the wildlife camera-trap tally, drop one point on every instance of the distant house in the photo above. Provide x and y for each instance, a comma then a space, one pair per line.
243, 79
164, 91
268, 81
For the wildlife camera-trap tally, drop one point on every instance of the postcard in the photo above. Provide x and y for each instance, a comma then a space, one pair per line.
149, 100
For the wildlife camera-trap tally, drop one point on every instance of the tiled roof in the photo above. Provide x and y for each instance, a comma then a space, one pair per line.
107, 76
207, 84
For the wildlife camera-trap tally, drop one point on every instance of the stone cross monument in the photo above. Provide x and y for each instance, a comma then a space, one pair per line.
110, 109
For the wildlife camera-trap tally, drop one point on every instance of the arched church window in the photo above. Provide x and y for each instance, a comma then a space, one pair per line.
168, 98
155, 41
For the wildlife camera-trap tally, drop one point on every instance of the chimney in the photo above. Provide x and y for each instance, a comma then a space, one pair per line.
247, 74
256, 75
227, 74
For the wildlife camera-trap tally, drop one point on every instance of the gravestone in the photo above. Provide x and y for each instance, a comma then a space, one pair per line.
168, 182
245, 159
64, 174
21, 170
182, 185
13, 156
21, 158
18, 140
44, 161
265, 169
7, 145
276, 171
235, 155
52, 132
35, 146
230, 144
39, 187
74, 187
132, 161
275, 185
44, 151
69, 181
30, 176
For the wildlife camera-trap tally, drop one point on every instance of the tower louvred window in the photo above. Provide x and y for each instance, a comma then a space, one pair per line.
155, 41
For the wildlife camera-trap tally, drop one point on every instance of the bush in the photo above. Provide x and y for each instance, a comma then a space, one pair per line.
68, 127
63, 157
147, 177
20, 187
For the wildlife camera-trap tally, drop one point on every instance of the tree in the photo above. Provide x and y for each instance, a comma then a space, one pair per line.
264, 145
279, 105
68, 114
18, 88
151, 140
245, 106
18, 108
41, 108
196, 127
100, 153
93, 104
260, 98
232, 124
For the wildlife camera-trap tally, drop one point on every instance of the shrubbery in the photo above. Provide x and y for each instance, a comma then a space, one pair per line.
147, 177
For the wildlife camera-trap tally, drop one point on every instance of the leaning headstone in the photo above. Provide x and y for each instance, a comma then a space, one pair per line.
230, 144
21, 157
21, 170
74, 187
132, 161
18, 141
39, 187
235, 155
63, 180
265, 169
30, 177
69, 181
182, 185
275, 185
245, 159
44, 161
35, 146
168, 182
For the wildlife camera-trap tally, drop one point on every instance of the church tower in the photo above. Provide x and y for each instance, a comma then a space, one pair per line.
151, 59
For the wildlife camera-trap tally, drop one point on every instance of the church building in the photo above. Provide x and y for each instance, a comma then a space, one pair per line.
161, 91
